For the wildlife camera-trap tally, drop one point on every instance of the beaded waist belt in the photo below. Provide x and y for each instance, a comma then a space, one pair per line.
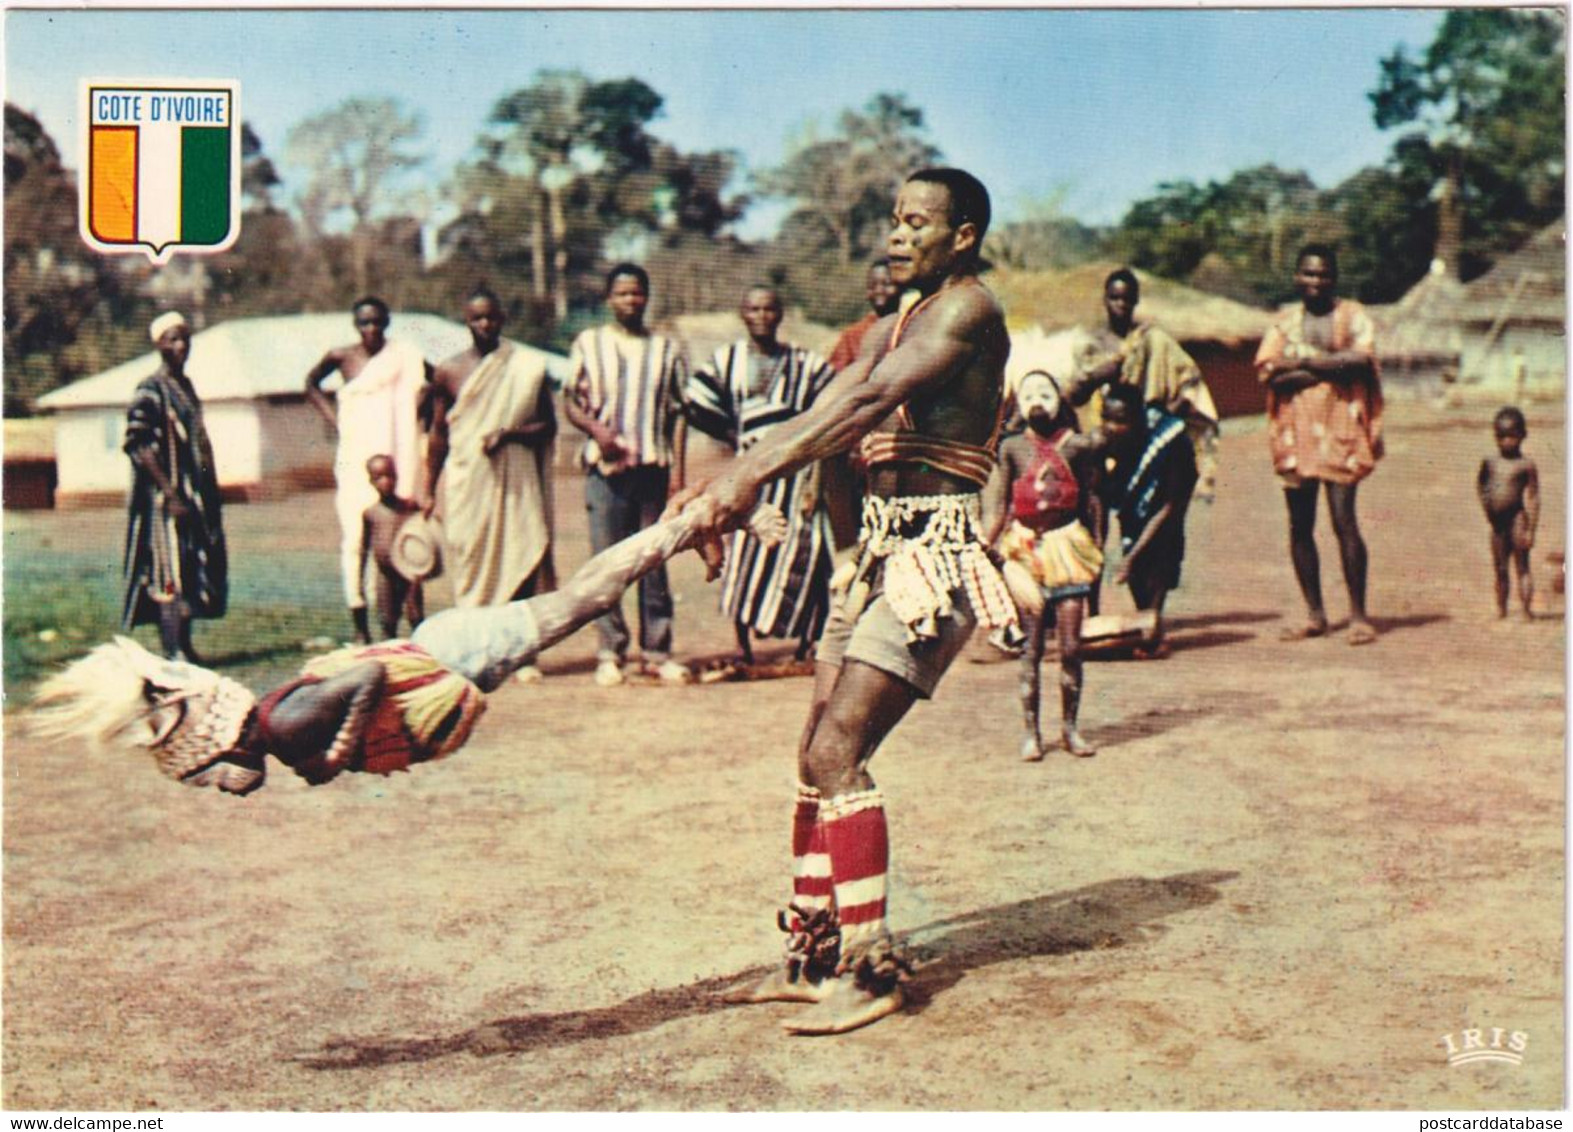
928, 547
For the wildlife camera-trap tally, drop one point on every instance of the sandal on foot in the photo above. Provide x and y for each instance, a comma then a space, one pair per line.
846, 1008
1307, 632
1361, 633
1076, 745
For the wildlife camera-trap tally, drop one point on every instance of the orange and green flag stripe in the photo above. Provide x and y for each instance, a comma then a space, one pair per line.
122, 185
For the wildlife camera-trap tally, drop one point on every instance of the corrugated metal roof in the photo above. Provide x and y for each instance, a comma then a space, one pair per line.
248, 358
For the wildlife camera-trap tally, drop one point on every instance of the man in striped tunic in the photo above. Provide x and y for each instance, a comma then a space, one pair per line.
745, 390
625, 394
923, 581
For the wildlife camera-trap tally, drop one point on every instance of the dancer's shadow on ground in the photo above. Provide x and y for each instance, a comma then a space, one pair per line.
1231, 617
1099, 917
1109, 914
1146, 724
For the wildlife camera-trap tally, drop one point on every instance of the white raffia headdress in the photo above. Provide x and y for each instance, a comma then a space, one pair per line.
122, 697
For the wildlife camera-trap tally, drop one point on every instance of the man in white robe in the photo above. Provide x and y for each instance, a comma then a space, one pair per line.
382, 380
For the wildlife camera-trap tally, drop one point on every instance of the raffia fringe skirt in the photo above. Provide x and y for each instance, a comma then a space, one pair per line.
1063, 561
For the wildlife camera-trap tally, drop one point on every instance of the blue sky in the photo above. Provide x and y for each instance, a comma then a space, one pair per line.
1096, 107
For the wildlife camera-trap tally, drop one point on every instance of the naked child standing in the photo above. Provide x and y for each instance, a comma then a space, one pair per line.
1509, 488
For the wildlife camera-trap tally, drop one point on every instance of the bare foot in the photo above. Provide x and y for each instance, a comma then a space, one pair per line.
1072, 741
1529, 614
848, 1007
778, 986
1361, 633
233, 776
1031, 749
1315, 627
1154, 650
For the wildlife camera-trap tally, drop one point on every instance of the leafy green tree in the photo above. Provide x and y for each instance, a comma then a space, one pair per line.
1042, 237
61, 301
843, 186
1168, 234
568, 175
1489, 99
1246, 230
558, 133
270, 269
1388, 215
258, 177
354, 157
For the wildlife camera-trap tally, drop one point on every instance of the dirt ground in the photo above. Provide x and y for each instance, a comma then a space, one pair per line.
1289, 872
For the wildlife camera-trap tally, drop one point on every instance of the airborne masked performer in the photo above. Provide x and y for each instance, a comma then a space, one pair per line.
377, 709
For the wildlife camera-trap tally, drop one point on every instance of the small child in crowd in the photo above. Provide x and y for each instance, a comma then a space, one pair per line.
1046, 490
380, 524
1509, 487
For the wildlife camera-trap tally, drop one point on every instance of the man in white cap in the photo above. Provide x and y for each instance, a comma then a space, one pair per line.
176, 564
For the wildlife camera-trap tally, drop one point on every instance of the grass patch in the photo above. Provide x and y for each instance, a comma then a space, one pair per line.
63, 593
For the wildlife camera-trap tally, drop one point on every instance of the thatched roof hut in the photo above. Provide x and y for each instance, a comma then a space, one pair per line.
1527, 288
1055, 300
1045, 310
1506, 327
703, 334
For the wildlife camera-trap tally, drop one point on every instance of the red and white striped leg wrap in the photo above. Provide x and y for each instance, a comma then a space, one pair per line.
859, 850
811, 888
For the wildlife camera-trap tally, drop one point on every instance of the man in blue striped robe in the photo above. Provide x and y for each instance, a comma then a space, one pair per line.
746, 389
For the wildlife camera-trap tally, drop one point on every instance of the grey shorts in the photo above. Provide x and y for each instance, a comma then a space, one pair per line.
879, 639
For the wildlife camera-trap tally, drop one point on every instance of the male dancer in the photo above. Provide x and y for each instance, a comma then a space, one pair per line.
923, 580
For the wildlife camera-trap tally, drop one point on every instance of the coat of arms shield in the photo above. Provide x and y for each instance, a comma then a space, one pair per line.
162, 161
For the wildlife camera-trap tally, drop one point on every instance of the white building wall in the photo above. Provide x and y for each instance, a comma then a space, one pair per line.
297, 446
88, 460
92, 468
237, 442
1543, 351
